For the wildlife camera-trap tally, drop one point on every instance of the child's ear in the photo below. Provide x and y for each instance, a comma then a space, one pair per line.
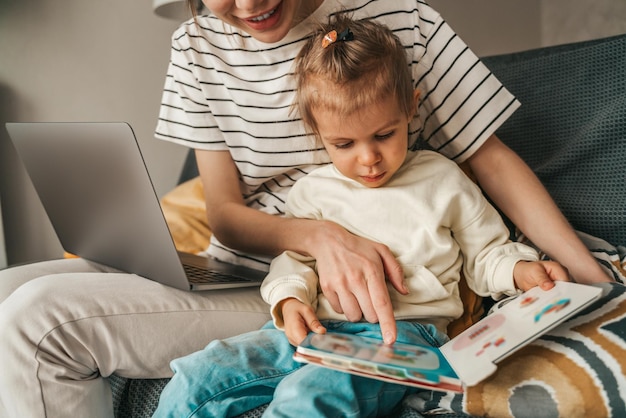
416, 100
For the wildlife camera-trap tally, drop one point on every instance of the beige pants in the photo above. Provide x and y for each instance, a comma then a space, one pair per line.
65, 324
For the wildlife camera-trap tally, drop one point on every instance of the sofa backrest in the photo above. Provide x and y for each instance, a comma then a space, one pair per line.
571, 127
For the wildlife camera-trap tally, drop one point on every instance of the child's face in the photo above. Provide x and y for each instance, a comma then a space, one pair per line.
368, 146
267, 21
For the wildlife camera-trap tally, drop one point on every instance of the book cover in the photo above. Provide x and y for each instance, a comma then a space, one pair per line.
416, 365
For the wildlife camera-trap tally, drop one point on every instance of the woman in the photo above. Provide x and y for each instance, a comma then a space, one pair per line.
228, 94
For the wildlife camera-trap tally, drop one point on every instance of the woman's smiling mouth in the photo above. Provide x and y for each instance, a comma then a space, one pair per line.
266, 20
263, 16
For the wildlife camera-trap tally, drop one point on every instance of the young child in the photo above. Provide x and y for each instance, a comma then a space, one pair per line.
356, 95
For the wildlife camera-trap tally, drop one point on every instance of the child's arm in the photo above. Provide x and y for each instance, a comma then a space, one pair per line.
299, 320
528, 274
292, 276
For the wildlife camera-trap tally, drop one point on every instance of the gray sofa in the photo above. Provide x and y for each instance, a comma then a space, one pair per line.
571, 130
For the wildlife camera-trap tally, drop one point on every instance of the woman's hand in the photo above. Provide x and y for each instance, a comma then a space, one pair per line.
299, 320
353, 273
353, 270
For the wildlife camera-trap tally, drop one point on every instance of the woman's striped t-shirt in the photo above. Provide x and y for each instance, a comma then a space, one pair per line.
226, 91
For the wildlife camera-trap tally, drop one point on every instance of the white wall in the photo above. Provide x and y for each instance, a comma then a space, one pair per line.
77, 60
564, 21
85, 60
493, 27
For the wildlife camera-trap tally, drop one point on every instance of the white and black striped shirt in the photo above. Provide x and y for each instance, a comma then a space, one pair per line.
226, 91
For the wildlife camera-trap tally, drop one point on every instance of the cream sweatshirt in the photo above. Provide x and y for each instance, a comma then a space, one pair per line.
433, 218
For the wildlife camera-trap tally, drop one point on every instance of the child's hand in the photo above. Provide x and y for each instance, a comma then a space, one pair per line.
299, 319
528, 274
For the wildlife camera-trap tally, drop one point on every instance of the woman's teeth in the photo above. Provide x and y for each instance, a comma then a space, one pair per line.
263, 17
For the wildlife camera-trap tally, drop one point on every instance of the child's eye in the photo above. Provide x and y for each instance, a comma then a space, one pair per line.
343, 145
385, 135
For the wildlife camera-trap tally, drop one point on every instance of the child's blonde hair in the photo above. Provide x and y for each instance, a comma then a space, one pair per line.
347, 75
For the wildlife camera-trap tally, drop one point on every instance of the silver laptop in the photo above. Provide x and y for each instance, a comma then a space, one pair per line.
94, 185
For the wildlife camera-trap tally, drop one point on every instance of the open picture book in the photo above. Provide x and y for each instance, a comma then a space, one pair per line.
463, 361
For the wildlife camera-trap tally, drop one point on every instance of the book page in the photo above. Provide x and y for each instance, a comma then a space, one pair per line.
474, 353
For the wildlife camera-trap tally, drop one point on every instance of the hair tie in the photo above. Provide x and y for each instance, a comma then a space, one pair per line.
332, 37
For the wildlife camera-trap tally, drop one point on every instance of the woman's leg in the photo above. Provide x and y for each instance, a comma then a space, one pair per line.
62, 332
14, 277
315, 391
228, 377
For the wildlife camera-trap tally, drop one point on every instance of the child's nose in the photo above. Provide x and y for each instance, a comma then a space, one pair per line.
369, 156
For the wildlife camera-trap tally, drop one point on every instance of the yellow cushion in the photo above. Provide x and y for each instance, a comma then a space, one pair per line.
472, 310
184, 209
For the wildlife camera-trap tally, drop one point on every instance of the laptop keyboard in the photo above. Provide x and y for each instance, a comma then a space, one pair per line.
200, 275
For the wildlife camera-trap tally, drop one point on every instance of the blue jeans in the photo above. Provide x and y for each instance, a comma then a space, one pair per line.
232, 376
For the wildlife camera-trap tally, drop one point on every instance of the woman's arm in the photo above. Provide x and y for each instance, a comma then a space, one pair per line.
515, 189
352, 270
